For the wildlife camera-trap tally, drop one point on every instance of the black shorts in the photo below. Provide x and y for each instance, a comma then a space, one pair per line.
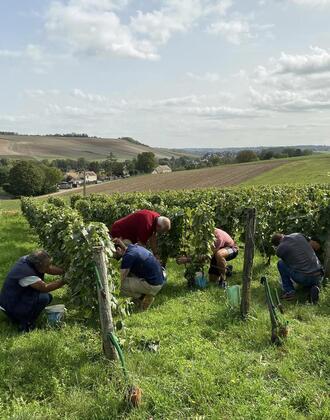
233, 252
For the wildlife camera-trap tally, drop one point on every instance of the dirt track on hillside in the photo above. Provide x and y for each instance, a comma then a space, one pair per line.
221, 176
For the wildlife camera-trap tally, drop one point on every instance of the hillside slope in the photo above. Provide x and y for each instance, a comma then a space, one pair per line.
220, 176
51, 147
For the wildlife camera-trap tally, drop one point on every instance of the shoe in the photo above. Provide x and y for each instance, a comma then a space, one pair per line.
222, 284
26, 327
314, 294
146, 302
229, 270
289, 296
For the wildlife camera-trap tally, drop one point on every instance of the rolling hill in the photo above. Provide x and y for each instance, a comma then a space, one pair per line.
220, 176
52, 147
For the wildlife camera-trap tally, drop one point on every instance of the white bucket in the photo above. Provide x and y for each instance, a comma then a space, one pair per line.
55, 313
55, 308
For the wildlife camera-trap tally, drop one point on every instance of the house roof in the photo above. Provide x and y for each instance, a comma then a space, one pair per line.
162, 168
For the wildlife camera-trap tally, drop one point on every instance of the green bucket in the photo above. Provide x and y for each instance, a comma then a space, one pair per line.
234, 295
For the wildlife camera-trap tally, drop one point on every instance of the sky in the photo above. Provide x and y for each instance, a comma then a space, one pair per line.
169, 73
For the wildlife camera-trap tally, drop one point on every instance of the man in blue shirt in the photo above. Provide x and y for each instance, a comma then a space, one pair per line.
142, 276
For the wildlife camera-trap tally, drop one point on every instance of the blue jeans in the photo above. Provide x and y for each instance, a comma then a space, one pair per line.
288, 276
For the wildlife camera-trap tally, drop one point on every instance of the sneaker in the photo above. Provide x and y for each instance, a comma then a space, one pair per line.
314, 294
289, 296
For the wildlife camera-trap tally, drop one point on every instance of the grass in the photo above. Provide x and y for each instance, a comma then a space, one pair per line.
308, 170
210, 363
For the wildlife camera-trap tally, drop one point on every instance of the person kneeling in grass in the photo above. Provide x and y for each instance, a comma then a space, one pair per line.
24, 294
298, 263
142, 276
224, 249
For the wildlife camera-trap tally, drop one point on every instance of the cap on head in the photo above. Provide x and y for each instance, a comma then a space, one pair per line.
163, 224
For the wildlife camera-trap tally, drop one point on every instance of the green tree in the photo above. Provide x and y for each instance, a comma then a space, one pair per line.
246, 156
82, 164
52, 177
4, 162
267, 154
117, 168
146, 162
131, 166
4, 174
25, 178
94, 166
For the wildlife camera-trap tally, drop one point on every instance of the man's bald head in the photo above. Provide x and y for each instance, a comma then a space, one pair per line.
163, 224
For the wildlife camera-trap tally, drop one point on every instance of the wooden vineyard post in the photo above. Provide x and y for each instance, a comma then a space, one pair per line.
104, 298
250, 229
84, 185
327, 258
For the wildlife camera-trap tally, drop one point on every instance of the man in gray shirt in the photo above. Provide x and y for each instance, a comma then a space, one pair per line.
298, 263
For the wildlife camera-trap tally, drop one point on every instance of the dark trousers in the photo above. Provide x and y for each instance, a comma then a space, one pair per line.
288, 276
28, 323
44, 299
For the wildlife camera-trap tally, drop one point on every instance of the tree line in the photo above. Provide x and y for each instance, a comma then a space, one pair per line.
31, 178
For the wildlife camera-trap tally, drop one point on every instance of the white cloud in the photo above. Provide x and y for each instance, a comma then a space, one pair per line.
312, 3
14, 118
31, 51
79, 113
78, 93
223, 112
233, 31
10, 54
239, 29
95, 27
41, 93
318, 61
293, 82
206, 77
284, 100
95, 31
174, 16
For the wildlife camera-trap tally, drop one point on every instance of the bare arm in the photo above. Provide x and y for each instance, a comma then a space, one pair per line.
315, 245
43, 287
55, 271
185, 259
124, 274
153, 244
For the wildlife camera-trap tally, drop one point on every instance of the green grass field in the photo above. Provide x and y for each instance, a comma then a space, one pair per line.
315, 169
210, 365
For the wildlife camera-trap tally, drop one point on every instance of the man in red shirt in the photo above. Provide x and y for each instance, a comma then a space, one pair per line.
141, 227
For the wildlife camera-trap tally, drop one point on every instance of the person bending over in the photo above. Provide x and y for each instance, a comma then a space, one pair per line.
25, 294
224, 249
141, 227
298, 263
142, 276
